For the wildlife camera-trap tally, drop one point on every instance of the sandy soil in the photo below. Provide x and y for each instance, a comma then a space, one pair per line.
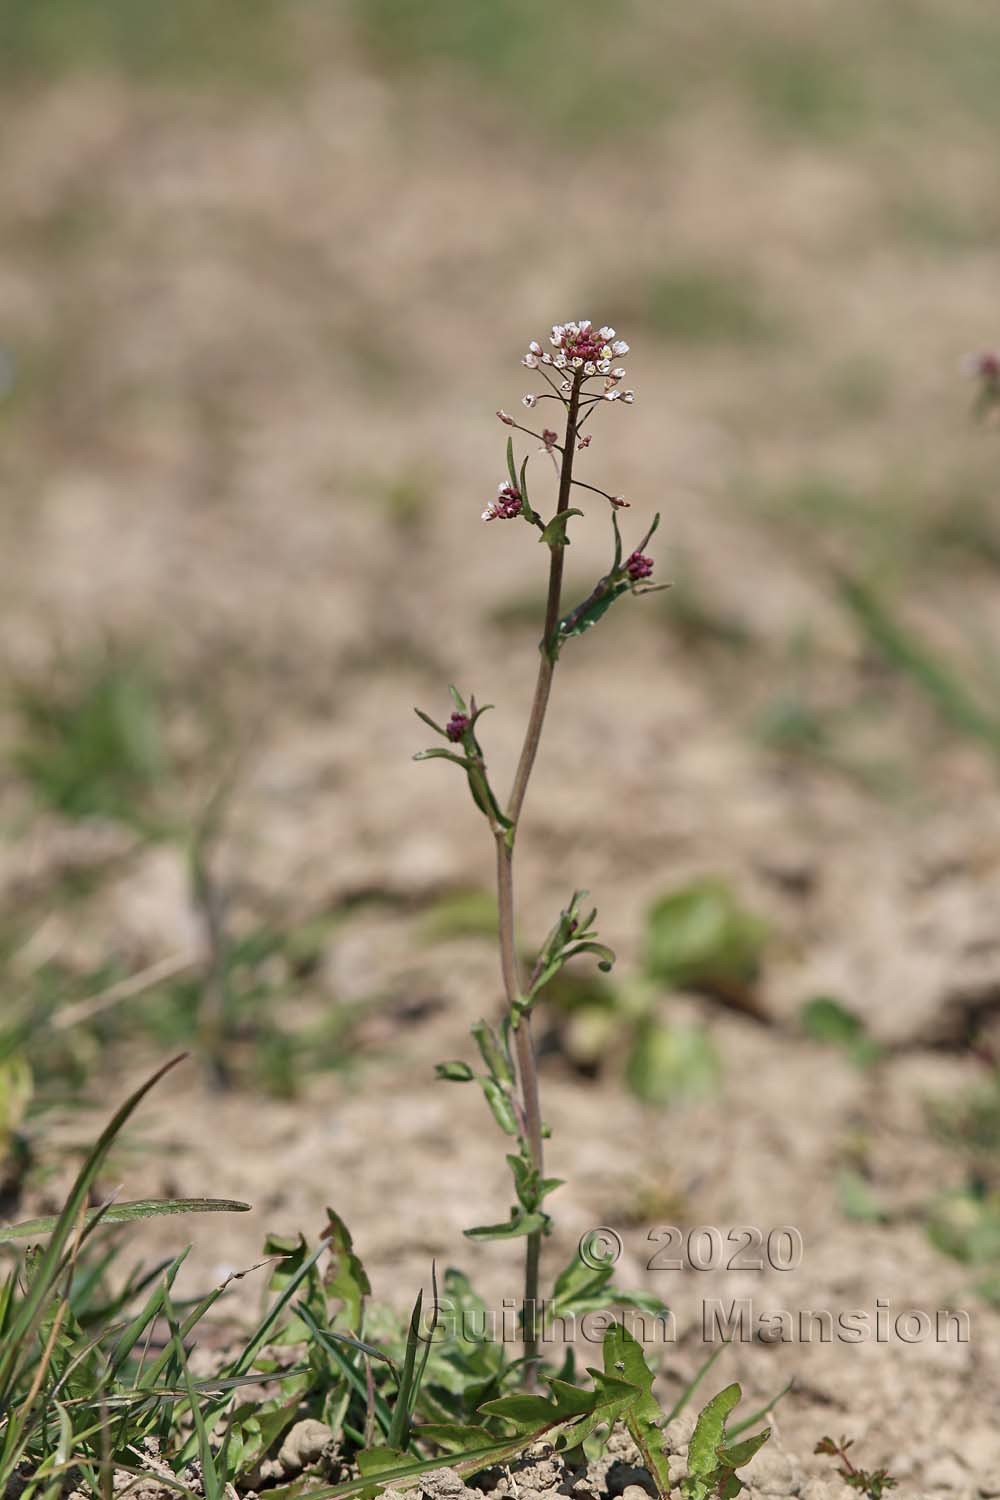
243, 333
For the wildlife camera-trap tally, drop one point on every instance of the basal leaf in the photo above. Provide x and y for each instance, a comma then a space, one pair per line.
710, 1429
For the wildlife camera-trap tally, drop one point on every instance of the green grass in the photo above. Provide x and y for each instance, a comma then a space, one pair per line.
218, 41
95, 1367
92, 746
702, 304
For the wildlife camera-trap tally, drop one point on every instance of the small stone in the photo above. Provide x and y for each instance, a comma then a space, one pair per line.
303, 1445
445, 1484
635, 1492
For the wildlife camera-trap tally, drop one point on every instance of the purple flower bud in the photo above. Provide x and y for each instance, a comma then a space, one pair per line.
549, 438
456, 727
638, 566
506, 506
983, 366
506, 418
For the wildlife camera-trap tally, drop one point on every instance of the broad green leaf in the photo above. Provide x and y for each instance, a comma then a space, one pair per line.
710, 1430
624, 1360
701, 938
668, 1060
346, 1278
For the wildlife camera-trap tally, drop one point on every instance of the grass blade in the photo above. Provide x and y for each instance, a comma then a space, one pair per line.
125, 1213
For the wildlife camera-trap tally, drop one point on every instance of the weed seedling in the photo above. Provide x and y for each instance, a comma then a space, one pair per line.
872, 1483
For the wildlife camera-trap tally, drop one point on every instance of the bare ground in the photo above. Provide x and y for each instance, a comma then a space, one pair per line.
242, 333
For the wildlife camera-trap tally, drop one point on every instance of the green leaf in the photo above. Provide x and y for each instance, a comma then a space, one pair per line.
566, 1412
735, 1455
431, 723
827, 1020
624, 1360
554, 531
511, 467
701, 938
710, 1430
438, 754
517, 1225
492, 1049
454, 1072
669, 1061
453, 1437
500, 1106
31, 1308
586, 615
346, 1279
125, 1213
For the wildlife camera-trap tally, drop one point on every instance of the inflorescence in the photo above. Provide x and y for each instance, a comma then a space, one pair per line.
583, 352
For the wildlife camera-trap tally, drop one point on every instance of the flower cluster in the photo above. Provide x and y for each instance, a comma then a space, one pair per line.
638, 566
984, 366
456, 727
584, 351
507, 504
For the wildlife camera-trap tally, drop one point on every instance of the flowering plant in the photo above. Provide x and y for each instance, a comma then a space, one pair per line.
581, 375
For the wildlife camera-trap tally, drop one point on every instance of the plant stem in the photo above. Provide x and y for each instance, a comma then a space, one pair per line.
526, 1068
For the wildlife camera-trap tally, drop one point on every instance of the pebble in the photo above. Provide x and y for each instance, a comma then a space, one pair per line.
303, 1445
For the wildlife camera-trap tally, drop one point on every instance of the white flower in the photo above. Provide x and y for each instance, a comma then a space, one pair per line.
620, 346
577, 362
628, 396
567, 386
590, 368
585, 326
531, 361
535, 347
611, 395
529, 401
546, 359
606, 351
607, 334
604, 367
560, 361
619, 374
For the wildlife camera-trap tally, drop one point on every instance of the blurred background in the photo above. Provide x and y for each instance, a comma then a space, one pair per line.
267, 271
